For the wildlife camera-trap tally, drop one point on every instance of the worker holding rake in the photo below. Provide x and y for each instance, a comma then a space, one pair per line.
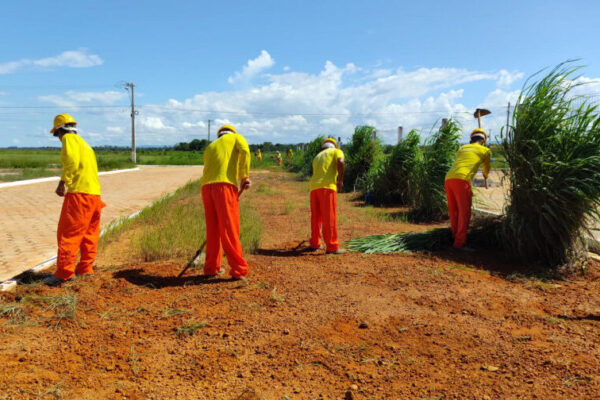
79, 223
226, 162
328, 177
458, 184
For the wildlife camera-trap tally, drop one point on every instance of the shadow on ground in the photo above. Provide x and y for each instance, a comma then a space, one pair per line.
137, 277
301, 249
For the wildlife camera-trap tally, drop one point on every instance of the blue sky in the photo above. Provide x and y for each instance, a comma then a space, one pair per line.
281, 71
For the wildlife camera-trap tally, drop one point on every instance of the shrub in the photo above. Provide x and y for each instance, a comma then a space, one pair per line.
361, 153
302, 160
553, 151
427, 194
389, 180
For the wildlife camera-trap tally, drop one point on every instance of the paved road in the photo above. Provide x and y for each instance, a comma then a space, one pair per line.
29, 213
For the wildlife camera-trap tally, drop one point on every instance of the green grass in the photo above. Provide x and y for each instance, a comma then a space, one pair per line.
63, 307
189, 329
174, 226
15, 312
19, 164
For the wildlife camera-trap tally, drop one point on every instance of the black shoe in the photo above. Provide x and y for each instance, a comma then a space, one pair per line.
53, 281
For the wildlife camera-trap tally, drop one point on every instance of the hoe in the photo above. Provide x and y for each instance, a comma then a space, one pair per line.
481, 112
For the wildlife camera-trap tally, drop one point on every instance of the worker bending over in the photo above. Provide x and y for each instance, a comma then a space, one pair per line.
328, 177
458, 184
79, 223
226, 162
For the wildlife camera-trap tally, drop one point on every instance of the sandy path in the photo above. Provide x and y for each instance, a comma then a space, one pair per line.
29, 214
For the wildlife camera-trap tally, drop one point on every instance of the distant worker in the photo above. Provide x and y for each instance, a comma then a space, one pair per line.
258, 155
79, 223
279, 158
458, 184
328, 177
290, 153
226, 162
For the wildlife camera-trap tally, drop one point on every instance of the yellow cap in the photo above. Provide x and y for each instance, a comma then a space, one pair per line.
479, 130
62, 119
226, 128
332, 140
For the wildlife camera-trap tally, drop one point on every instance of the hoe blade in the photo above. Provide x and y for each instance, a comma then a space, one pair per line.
480, 112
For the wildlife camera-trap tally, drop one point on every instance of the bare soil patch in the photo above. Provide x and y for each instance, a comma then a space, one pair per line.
308, 325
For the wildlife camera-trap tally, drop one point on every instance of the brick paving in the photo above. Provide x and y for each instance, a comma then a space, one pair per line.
29, 213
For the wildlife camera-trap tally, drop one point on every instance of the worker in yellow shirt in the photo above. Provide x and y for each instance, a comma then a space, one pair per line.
79, 223
278, 157
290, 153
458, 184
226, 162
328, 177
258, 155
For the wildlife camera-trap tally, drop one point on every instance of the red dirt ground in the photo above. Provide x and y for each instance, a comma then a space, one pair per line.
309, 325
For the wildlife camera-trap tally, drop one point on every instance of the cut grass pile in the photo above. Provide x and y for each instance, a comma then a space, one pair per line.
173, 227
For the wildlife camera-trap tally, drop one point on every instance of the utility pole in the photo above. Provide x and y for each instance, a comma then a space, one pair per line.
131, 86
209, 121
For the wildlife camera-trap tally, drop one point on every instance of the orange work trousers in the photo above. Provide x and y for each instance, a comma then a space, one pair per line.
459, 196
323, 214
78, 232
221, 210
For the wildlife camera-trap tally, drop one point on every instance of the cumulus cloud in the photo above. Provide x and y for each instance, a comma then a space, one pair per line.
293, 106
70, 59
253, 68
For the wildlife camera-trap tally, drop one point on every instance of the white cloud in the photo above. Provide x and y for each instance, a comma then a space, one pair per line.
11, 66
253, 68
73, 99
70, 58
199, 124
297, 106
505, 78
292, 106
154, 123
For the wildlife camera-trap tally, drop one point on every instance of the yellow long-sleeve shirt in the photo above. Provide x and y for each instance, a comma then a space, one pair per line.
325, 171
468, 159
80, 169
226, 160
